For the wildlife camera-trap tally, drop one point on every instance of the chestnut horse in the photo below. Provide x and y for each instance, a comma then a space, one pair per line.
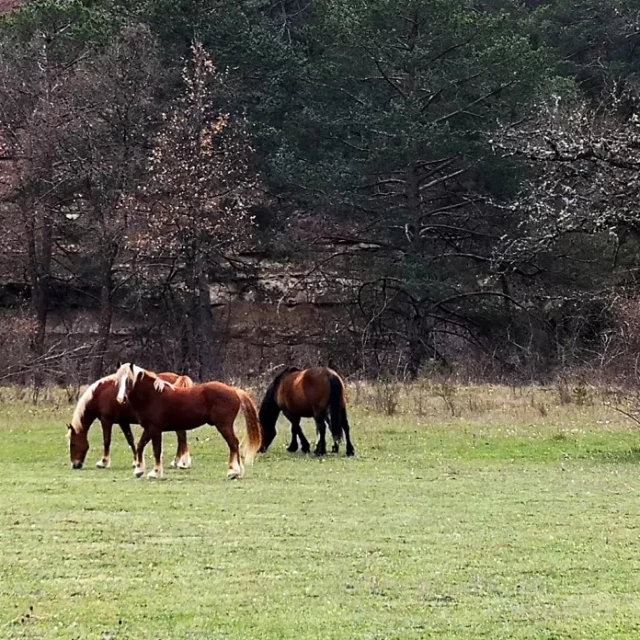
163, 407
100, 401
316, 393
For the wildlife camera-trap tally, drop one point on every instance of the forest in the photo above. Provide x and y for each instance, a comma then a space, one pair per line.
396, 188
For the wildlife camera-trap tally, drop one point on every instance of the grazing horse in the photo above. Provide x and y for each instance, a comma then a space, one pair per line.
316, 393
100, 401
163, 407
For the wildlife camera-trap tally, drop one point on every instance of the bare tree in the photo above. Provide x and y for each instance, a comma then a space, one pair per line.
196, 204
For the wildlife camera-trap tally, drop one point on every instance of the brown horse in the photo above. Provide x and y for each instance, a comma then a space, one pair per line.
316, 393
99, 401
163, 407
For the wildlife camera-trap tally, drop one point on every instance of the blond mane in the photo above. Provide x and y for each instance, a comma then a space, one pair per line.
159, 384
129, 371
81, 407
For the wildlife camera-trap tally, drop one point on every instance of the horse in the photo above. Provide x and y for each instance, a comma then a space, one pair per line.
99, 401
315, 393
162, 406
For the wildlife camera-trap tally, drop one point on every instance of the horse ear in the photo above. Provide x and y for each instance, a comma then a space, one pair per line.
69, 431
119, 364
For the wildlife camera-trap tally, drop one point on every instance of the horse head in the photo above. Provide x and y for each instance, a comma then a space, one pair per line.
78, 446
126, 378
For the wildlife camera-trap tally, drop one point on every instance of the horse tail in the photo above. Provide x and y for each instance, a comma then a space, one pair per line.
254, 430
337, 411
183, 382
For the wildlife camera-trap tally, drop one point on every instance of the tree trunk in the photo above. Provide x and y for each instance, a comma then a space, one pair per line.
206, 331
106, 317
39, 250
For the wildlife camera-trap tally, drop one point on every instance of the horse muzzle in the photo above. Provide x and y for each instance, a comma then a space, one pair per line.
76, 465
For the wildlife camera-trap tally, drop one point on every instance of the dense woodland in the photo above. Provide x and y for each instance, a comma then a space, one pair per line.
449, 186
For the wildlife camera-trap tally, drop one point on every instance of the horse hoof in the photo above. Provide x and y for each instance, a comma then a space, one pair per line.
138, 472
153, 475
351, 452
184, 464
103, 464
292, 449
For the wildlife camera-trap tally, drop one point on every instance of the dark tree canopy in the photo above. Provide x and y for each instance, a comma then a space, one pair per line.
457, 178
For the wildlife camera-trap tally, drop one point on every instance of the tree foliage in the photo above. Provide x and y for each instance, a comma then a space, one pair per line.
475, 163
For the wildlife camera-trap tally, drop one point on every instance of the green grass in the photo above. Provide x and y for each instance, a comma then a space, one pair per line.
465, 527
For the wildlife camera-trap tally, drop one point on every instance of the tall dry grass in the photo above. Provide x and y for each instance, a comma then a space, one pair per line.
560, 405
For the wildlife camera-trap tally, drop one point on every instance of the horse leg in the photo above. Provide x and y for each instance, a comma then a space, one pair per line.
345, 427
295, 426
321, 445
336, 446
138, 472
183, 457
156, 441
105, 462
236, 468
304, 443
128, 436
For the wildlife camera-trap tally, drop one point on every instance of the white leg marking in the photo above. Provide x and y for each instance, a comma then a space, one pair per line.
184, 462
235, 471
104, 463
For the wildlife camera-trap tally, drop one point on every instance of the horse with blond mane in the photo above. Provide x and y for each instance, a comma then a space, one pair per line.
99, 401
316, 393
162, 407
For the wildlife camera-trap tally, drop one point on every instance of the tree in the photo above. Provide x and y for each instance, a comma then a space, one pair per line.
578, 233
36, 117
400, 105
195, 205
120, 101
79, 103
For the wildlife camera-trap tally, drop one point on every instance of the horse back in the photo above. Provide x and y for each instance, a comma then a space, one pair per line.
306, 393
192, 406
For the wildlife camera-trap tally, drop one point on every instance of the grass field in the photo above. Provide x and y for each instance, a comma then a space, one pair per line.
496, 514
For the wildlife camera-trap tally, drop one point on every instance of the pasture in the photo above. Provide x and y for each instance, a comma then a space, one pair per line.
490, 513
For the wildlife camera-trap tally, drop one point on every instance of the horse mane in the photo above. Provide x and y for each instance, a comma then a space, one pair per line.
158, 383
85, 398
126, 371
183, 382
269, 402
285, 372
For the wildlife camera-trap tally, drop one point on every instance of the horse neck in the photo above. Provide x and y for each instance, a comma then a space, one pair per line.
141, 390
84, 417
86, 420
270, 409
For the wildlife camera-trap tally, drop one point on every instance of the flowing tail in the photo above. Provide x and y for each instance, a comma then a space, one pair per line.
337, 411
254, 430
